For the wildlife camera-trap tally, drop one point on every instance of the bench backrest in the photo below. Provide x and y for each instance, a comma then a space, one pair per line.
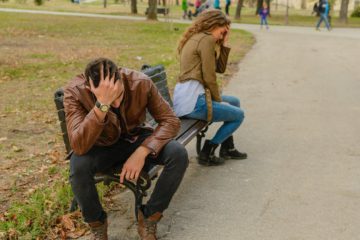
157, 75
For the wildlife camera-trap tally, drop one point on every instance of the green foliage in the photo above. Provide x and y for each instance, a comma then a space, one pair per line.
39, 2
356, 12
32, 217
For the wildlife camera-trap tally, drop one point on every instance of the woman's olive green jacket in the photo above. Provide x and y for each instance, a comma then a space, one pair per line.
200, 59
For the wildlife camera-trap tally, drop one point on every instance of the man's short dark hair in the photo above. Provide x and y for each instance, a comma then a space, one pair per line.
92, 70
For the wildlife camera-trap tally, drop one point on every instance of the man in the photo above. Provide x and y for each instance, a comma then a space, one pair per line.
105, 112
324, 9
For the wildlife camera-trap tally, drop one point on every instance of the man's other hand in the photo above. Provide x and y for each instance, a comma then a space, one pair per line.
132, 167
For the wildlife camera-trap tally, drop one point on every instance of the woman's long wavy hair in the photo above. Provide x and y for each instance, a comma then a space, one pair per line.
205, 22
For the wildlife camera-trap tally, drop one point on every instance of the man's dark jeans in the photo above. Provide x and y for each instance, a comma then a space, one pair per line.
83, 168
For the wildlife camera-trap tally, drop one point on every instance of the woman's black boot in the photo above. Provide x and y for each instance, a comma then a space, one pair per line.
228, 150
207, 155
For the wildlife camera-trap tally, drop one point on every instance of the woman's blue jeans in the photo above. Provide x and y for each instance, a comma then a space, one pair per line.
228, 111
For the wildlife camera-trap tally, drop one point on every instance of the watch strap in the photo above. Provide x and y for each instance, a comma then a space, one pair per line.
101, 106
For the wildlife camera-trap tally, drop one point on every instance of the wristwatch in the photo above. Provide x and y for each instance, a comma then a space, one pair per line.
103, 107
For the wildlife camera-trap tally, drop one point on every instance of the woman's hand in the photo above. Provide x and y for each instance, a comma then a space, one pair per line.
226, 34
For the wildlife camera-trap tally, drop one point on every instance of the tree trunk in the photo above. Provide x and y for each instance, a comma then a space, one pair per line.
177, 2
164, 2
251, 3
287, 13
105, 3
344, 11
134, 7
258, 6
238, 9
152, 10
303, 4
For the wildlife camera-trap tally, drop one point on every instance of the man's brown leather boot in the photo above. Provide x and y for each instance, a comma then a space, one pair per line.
147, 226
99, 230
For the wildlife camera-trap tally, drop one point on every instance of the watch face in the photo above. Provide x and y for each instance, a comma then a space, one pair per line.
104, 108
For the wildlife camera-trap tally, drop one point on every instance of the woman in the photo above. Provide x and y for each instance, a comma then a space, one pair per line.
203, 53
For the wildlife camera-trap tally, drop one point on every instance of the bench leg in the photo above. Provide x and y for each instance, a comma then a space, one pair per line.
139, 190
199, 138
138, 201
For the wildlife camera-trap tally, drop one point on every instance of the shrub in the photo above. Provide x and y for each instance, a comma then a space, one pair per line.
356, 12
39, 2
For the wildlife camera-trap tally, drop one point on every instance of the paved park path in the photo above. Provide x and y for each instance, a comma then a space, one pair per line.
300, 90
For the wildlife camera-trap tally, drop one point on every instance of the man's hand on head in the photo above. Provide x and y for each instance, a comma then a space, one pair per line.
108, 89
133, 166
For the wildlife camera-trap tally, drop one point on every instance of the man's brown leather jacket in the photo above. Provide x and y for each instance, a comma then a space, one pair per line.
85, 130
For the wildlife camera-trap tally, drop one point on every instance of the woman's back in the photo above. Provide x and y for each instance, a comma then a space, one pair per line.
191, 55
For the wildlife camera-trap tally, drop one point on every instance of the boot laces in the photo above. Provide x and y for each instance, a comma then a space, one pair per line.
99, 233
150, 228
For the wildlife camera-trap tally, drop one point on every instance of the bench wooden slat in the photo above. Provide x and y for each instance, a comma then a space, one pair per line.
158, 77
161, 83
151, 71
189, 129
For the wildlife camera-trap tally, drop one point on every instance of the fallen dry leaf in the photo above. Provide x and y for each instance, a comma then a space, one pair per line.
16, 148
43, 168
76, 234
67, 223
12, 234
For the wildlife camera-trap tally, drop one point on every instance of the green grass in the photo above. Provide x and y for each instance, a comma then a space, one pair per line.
32, 217
38, 210
40, 54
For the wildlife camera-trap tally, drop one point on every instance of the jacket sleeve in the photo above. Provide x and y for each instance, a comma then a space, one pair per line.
207, 54
168, 124
222, 60
83, 127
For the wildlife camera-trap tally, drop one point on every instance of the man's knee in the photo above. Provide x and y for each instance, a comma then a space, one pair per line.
178, 154
80, 166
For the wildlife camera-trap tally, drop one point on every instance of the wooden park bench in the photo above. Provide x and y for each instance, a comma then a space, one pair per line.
190, 128
159, 10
